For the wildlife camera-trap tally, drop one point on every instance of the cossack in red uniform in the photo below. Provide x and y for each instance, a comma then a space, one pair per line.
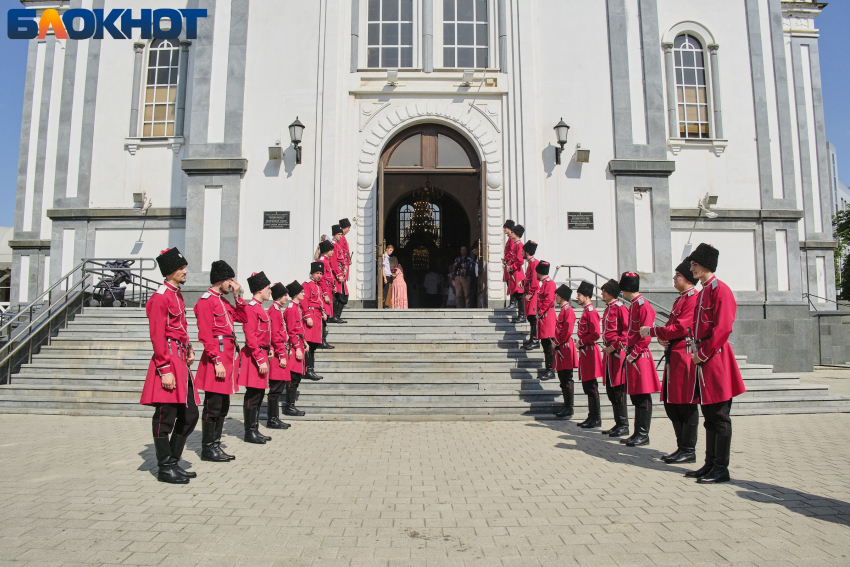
507, 255
642, 376
258, 336
166, 313
615, 327
546, 317
590, 365
566, 357
296, 333
530, 285
515, 275
280, 344
326, 284
679, 378
217, 332
312, 307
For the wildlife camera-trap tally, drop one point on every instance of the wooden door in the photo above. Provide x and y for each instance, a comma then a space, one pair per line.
484, 248
380, 242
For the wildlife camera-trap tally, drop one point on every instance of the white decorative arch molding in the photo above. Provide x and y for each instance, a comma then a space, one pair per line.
694, 28
479, 126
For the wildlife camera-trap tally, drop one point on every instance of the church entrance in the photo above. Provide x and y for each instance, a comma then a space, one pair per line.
430, 190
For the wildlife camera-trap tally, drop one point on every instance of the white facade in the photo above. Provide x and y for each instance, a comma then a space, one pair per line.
608, 67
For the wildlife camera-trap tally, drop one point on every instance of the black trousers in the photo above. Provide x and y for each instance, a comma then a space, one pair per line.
215, 406
387, 287
310, 358
616, 394
590, 388
717, 418
276, 389
253, 398
292, 388
532, 321
682, 413
642, 401
341, 298
176, 418
565, 377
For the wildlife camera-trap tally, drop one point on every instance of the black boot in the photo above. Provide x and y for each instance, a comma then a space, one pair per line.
289, 408
594, 417
309, 372
687, 453
632, 437
710, 441
209, 450
720, 471
166, 462
178, 442
219, 428
677, 428
642, 425
252, 428
621, 415
520, 310
569, 397
532, 345
273, 413
338, 312
548, 358
512, 304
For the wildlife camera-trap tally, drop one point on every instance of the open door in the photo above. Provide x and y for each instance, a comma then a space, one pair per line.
484, 246
380, 242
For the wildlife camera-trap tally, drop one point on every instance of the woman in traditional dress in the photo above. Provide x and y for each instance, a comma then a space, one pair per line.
399, 288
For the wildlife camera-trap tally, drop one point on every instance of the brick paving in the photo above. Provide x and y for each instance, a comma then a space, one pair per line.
80, 491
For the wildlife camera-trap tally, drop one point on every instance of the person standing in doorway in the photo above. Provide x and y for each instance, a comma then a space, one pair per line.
169, 387
387, 272
463, 269
399, 287
432, 289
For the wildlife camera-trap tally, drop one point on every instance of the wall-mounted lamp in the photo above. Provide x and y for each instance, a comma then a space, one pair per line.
562, 131
582, 156
706, 203
296, 130
392, 77
141, 203
276, 151
468, 77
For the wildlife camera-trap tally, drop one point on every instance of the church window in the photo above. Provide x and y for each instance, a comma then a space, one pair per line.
465, 34
691, 87
161, 89
390, 34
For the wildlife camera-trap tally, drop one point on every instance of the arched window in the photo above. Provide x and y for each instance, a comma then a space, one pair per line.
691, 87
161, 89
406, 229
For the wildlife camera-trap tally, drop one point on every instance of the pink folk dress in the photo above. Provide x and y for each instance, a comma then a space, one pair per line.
399, 289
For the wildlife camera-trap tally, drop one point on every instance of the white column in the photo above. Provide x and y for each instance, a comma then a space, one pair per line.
715, 91
139, 48
672, 101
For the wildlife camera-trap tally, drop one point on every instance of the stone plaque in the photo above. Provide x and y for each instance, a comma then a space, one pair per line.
580, 221
275, 219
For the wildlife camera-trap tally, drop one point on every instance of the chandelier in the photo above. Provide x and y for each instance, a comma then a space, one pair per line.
422, 219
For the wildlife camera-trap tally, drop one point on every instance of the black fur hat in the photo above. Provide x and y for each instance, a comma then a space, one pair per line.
630, 282
586, 289
564, 291
294, 289
221, 271
170, 260
612, 287
317, 267
509, 224
519, 230
325, 246
706, 256
344, 223
542, 268
258, 281
530, 248
278, 291
685, 269
336, 229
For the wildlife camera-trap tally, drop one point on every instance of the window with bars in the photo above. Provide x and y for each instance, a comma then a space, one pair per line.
161, 89
390, 34
465, 34
406, 229
691, 87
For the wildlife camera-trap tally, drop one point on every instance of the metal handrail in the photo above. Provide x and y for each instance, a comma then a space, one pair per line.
44, 309
659, 309
808, 297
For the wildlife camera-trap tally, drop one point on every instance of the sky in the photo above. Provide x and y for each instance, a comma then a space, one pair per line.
835, 74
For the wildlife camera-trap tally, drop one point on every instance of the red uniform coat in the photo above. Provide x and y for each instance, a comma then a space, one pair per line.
312, 306
346, 256
719, 378
678, 384
338, 268
507, 259
280, 345
546, 309
258, 339
515, 275
641, 373
615, 326
326, 285
167, 321
566, 357
530, 286
217, 332
590, 365
295, 329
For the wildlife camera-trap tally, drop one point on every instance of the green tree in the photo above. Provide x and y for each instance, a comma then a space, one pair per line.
841, 230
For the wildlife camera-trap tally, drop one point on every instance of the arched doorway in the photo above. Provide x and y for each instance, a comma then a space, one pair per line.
430, 191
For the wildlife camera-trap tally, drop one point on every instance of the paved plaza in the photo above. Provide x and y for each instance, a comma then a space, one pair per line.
80, 491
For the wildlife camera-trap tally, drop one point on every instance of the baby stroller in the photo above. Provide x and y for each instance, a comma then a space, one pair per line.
110, 291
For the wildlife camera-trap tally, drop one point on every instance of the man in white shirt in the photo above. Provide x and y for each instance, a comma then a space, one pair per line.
432, 289
388, 274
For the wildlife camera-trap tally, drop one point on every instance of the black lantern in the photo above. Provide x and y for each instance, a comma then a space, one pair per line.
296, 129
562, 131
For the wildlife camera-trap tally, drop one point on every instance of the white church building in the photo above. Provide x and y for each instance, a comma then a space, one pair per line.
131, 146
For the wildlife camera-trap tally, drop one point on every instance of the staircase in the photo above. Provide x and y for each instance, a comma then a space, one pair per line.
415, 364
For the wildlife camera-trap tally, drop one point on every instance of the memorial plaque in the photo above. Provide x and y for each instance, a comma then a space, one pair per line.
275, 219
580, 221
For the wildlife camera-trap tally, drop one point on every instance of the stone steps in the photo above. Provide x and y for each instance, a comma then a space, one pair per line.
417, 364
